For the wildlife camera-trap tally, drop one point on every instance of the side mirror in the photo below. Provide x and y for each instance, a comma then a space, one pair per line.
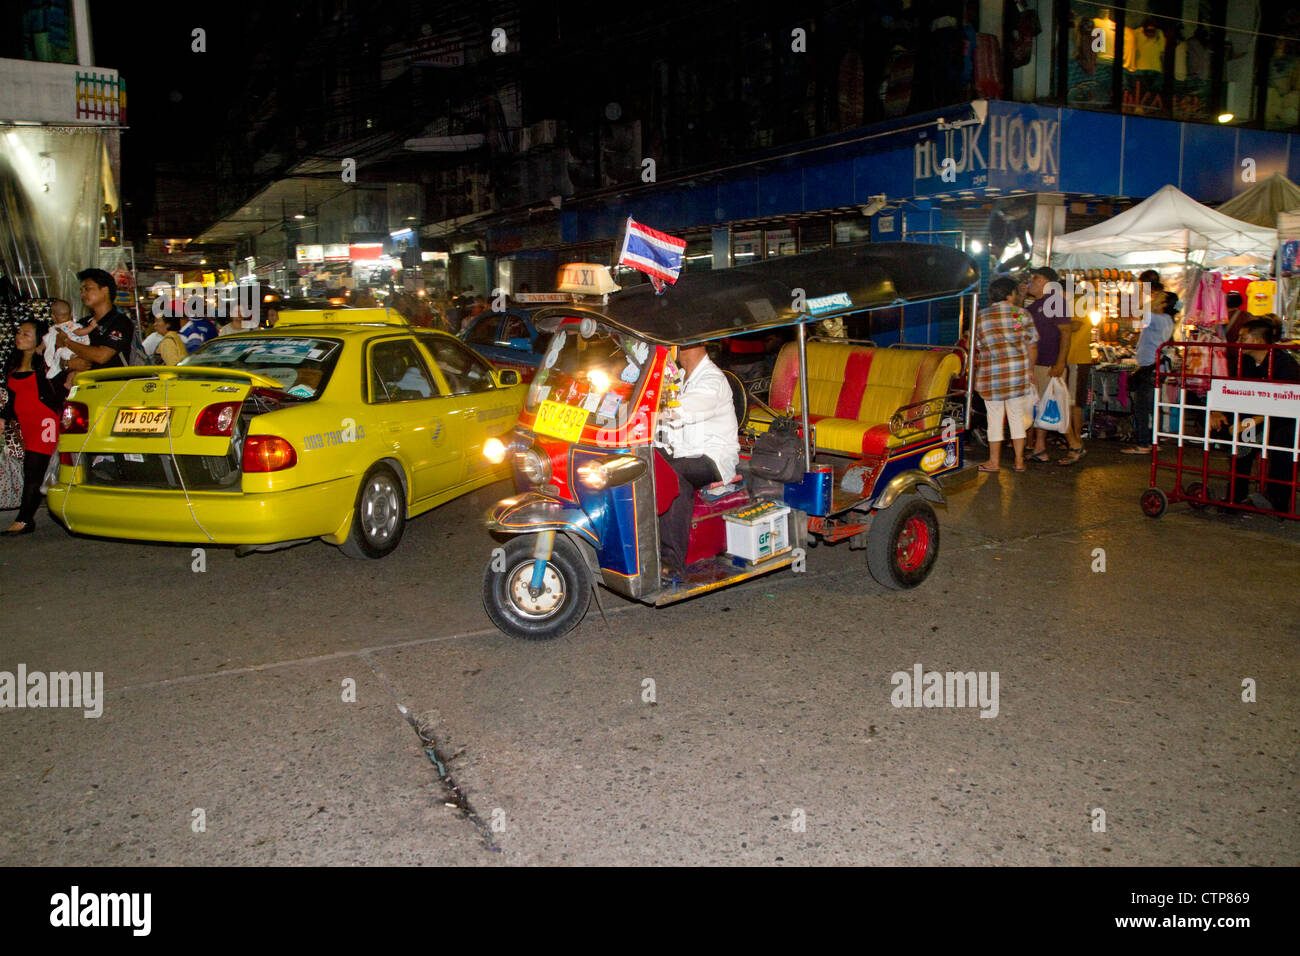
507, 377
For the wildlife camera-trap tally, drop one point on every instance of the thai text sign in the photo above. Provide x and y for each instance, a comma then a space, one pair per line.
1255, 398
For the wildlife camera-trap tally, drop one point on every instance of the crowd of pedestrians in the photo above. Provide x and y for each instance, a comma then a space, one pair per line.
1027, 337
36, 384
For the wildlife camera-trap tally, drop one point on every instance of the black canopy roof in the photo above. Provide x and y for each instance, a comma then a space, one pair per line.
846, 279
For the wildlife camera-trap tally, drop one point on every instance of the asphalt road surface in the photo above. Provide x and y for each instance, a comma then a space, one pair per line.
768, 734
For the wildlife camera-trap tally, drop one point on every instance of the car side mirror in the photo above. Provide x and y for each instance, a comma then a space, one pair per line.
507, 377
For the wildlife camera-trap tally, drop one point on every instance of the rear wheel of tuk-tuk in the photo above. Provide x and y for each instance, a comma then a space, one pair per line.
903, 543
556, 609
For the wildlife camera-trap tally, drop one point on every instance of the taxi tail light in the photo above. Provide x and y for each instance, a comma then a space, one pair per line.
75, 418
67, 458
268, 453
218, 420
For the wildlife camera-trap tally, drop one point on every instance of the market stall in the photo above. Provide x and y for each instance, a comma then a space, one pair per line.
1180, 239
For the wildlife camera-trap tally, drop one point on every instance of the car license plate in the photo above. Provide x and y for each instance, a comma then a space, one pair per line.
560, 421
142, 421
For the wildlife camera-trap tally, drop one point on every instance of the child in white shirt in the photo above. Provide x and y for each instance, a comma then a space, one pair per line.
61, 313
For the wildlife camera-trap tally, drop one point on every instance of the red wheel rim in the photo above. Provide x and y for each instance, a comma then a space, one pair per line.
913, 544
1151, 503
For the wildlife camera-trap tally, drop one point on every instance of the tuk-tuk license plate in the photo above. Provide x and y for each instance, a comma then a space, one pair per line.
142, 421
560, 421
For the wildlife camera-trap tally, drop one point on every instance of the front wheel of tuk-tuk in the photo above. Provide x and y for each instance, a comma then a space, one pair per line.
903, 543
555, 609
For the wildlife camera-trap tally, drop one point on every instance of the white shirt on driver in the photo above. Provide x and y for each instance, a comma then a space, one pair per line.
705, 423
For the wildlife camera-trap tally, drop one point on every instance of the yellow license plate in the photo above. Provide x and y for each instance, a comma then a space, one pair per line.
142, 421
560, 421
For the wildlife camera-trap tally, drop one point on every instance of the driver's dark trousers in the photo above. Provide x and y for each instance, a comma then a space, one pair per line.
675, 523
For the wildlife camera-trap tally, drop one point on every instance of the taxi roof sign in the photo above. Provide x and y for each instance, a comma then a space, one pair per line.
548, 298
585, 278
378, 316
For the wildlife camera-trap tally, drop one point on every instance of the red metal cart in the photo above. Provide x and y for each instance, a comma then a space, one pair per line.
1225, 429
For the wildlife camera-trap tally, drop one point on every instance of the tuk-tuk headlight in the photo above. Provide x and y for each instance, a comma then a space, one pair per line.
494, 451
535, 466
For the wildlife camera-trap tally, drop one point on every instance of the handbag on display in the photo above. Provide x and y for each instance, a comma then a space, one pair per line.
11, 463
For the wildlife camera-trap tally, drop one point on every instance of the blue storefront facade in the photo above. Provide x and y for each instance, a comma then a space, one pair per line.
933, 177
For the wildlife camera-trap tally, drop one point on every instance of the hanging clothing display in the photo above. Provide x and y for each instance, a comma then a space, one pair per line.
1143, 52
1209, 305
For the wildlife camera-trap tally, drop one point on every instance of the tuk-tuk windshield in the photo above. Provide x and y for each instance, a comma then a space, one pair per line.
598, 372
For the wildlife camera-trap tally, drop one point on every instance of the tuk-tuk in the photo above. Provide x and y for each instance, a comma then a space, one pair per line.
876, 431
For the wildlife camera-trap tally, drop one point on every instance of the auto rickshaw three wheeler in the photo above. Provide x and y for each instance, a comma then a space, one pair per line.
877, 432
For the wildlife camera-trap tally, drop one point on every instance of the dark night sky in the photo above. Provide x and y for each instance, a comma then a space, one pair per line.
176, 99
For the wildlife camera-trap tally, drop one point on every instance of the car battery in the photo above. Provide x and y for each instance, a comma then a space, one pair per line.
758, 531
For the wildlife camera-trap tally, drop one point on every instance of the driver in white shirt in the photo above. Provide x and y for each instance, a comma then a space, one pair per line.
701, 442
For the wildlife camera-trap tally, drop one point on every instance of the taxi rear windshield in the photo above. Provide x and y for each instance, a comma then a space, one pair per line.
599, 372
300, 366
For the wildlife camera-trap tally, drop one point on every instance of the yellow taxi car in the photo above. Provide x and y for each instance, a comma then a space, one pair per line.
335, 424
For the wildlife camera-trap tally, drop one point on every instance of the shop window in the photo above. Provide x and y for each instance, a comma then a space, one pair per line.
1282, 90
746, 246
698, 254
1239, 79
1021, 29
1148, 48
783, 241
852, 228
815, 234
1090, 76
1193, 63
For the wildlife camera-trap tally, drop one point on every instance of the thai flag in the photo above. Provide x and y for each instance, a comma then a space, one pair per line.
655, 253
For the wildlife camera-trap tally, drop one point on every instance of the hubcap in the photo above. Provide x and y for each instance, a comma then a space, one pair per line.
913, 544
380, 510
544, 604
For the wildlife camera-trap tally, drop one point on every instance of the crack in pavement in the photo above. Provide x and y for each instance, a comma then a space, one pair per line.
456, 797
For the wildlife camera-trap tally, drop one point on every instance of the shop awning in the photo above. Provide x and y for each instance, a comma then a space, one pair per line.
1169, 226
1261, 203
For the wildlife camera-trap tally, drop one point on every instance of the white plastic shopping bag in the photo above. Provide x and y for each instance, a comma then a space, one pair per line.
1031, 406
1052, 412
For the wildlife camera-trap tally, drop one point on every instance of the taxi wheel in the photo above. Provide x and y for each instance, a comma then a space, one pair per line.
379, 517
903, 543
564, 598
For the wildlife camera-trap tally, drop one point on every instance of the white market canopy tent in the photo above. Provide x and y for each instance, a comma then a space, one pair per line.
1262, 202
1168, 227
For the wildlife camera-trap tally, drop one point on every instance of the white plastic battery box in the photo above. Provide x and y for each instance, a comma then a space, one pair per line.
758, 531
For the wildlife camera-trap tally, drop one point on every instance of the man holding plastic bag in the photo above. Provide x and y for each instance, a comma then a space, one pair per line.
1052, 410
1054, 327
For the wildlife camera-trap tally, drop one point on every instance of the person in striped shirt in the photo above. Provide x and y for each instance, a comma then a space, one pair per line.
1006, 346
